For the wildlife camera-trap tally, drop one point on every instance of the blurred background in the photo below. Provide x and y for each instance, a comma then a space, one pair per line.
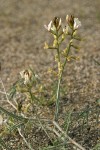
22, 37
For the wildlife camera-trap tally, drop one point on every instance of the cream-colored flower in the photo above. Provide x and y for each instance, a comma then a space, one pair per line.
48, 27
57, 23
26, 75
77, 23
70, 20
66, 29
54, 25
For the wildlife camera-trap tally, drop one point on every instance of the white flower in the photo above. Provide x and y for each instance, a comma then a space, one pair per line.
48, 27
77, 23
26, 75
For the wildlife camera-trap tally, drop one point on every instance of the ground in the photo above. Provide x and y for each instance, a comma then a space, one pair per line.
22, 37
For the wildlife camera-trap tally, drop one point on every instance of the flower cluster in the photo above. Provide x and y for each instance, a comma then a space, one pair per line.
54, 25
26, 75
63, 55
60, 33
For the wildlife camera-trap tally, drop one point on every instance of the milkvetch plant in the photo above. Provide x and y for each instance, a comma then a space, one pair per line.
62, 55
29, 115
29, 85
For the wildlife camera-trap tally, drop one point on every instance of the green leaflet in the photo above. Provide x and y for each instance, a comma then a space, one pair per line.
13, 115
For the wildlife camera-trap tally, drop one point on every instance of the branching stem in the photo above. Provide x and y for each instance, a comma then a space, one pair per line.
60, 74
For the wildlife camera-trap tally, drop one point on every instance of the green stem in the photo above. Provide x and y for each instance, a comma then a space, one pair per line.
58, 48
57, 100
60, 79
33, 98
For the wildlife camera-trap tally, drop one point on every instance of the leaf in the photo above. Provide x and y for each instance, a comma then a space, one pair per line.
2, 143
12, 92
15, 126
97, 62
13, 115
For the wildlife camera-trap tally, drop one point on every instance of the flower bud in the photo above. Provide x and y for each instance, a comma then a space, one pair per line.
57, 22
70, 20
26, 75
46, 46
55, 43
66, 29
